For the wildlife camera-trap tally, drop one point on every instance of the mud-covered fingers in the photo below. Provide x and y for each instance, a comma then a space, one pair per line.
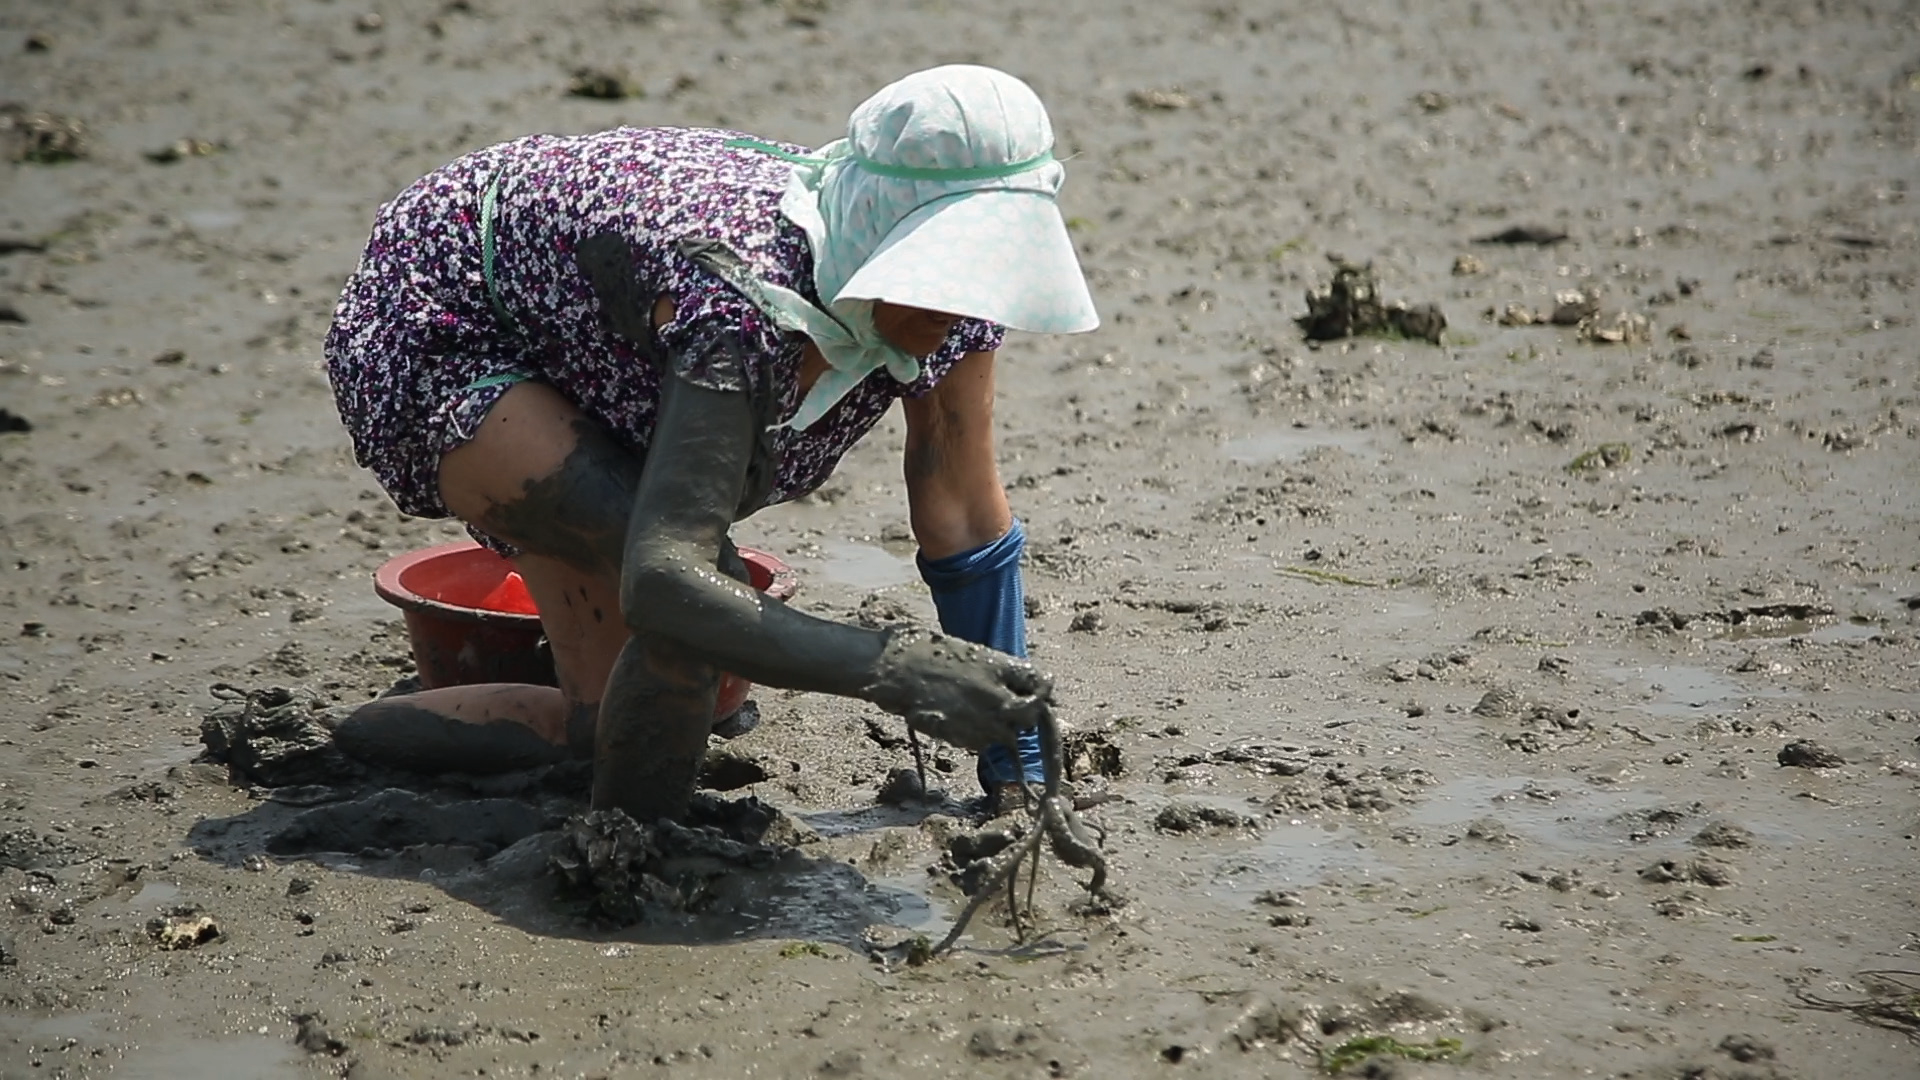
1023, 678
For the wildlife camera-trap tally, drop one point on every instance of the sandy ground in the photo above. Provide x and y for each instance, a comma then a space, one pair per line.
1444, 688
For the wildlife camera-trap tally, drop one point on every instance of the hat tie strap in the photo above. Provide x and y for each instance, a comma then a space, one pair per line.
939, 174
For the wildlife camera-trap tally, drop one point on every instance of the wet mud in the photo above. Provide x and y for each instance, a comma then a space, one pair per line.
1541, 702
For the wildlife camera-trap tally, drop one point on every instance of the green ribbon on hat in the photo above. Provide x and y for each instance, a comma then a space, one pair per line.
932, 174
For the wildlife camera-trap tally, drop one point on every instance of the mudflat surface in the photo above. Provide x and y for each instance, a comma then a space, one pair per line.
1443, 689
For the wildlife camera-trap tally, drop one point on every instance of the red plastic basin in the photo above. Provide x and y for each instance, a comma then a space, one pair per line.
471, 620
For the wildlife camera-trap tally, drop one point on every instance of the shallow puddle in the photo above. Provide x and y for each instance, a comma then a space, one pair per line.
1683, 690
152, 897
1293, 856
1829, 634
828, 901
51, 1042
1294, 443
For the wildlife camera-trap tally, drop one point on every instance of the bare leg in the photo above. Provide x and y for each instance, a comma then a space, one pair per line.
541, 476
474, 729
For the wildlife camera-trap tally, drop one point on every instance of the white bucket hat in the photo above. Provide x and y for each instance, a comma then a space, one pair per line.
940, 197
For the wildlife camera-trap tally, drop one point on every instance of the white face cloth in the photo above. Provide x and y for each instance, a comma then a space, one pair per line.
940, 197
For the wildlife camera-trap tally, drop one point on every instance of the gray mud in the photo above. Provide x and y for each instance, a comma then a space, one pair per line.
1542, 701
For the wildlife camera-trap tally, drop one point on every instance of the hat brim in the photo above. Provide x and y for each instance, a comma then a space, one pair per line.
998, 254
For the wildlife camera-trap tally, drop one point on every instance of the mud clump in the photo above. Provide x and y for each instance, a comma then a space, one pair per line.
1350, 306
1807, 754
1091, 753
601, 84
24, 849
1199, 817
183, 928
41, 138
1722, 834
273, 737
1704, 871
630, 873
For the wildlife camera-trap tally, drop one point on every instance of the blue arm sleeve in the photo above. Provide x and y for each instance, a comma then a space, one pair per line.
979, 597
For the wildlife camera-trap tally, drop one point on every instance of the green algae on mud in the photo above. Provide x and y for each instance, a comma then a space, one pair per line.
1338, 1059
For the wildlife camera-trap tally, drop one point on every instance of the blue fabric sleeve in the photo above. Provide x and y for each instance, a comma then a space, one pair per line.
979, 597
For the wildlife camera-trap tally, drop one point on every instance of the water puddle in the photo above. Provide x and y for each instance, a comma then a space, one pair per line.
148, 1057
827, 901
1682, 690
1568, 816
1292, 444
152, 897
1830, 634
1293, 856
253, 1056
865, 566
1555, 814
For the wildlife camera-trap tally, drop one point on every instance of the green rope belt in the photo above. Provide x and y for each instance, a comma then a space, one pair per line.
489, 215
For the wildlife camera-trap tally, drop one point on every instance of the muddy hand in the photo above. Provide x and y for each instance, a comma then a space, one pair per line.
959, 692
606, 261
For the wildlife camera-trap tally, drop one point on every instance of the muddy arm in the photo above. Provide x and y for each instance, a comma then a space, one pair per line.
674, 595
670, 584
671, 589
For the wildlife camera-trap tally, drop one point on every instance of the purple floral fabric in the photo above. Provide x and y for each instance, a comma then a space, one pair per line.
415, 328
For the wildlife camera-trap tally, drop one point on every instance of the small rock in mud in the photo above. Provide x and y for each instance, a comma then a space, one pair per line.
274, 737
1165, 99
1705, 871
1500, 703
41, 137
184, 929
1199, 817
1615, 328
1807, 754
182, 149
1088, 622
600, 84
1681, 906
1571, 307
313, 1037
1490, 830
1724, 834
901, 786
1468, 266
1088, 754
1350, 306
1747, 1049
1542, 235
13, 423
1610, 455
964, 848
